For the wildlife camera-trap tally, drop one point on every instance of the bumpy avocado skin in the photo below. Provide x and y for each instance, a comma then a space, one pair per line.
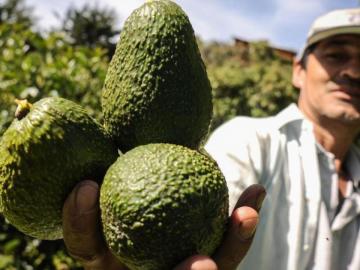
161, 203
42, 157
156, 88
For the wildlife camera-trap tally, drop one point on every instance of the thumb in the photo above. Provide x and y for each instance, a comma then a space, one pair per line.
237, 239
81, 226
82, 229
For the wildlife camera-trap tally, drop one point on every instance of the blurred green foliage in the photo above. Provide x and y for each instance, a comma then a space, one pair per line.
33, 66
91, 26
20, 252
15, 11
249, 80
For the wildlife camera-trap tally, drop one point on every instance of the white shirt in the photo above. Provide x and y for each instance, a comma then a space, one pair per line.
298, 227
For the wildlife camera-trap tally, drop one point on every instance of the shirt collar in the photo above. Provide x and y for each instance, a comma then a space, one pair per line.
292, 114
288, 115
353, 164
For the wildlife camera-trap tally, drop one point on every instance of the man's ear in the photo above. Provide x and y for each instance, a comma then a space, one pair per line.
298, 74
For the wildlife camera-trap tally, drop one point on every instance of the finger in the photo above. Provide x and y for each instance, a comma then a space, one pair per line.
81, 222
253, 196
198, 262
237, 239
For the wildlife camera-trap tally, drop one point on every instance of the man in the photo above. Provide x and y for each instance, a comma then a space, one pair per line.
304, 157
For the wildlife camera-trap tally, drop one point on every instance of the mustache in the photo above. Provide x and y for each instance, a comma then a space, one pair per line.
347, 81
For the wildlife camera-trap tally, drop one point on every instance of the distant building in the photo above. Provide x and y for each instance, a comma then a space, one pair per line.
282, 53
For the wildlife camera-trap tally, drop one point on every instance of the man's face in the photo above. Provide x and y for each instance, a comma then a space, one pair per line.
330, 81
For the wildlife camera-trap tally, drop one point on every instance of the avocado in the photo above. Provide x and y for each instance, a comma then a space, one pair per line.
161, 203
156, 88
49, 147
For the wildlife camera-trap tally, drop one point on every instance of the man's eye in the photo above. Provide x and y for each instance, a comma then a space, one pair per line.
335, 56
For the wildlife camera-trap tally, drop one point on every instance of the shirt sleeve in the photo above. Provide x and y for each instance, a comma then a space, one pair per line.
238, 147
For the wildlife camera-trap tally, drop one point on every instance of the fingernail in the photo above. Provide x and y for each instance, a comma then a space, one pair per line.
207, 264
260, 201
86, 196
248, 228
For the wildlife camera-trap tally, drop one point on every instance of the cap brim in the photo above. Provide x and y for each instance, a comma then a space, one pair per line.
354, 29
321, 35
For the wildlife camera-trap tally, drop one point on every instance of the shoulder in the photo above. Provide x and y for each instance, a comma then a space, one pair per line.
247, 127
254, 137
242, 130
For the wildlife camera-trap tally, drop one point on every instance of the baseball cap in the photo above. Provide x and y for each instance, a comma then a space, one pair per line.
342, 21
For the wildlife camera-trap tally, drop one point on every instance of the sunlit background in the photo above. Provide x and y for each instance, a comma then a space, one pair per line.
283, 23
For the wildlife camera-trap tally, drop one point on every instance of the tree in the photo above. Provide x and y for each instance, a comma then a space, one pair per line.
250, 80
15, 11
91, 26
33, 66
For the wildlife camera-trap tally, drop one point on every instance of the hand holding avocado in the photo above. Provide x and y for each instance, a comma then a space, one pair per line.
83, 235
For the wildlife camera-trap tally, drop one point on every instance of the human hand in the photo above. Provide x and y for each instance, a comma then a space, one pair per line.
82, 229
84, 240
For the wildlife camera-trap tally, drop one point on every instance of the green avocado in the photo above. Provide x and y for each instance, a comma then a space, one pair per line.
156, 88
50, 147
161, 203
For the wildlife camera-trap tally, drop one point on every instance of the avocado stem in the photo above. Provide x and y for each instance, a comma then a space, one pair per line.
22, 109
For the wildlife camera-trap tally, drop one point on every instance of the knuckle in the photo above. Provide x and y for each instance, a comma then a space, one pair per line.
83, 257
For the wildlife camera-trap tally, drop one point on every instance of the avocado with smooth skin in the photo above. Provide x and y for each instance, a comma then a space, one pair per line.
161, 203
49, 147
156, 88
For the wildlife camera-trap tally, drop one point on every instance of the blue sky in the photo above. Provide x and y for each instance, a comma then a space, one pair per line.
284, 23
